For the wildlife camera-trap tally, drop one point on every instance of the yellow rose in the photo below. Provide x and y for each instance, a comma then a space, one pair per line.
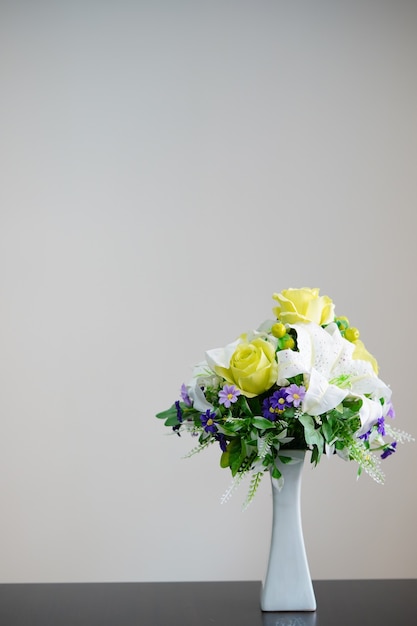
361, 353
303, 305
253, 367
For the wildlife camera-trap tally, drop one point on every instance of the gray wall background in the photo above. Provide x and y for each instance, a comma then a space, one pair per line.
167, 166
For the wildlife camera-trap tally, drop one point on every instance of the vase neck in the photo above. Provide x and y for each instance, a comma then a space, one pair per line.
291, 471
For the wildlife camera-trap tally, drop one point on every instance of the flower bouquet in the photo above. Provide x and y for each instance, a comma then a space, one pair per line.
302, 381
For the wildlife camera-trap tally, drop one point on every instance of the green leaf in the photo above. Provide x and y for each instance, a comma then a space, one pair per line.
312, 435
310, 431
233, 455
262, 423
275, 473
315, 455
233, 450
225, 459
252, 440
237, 455
285, 459
233, 426
268, 460
169, 415
163, 415
327, 431
172, 420
246, 410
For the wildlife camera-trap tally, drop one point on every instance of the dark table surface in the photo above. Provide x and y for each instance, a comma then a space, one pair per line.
339, 603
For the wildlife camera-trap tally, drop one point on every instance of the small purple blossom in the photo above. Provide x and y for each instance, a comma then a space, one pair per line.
222, 441
381, 426
390, 412
268, 411
365, 436
184, 395
179, 410
295, 394
273, 406
279, 400
390, 450
177, 427
228, 395
207, 421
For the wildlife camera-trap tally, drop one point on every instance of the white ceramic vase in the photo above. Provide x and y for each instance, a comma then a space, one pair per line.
287, 585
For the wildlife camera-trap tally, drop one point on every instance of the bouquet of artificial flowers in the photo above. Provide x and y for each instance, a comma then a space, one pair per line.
303, 380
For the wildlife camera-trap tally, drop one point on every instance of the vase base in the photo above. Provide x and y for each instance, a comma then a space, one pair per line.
289, 618
297, 597
279, 609
267, 607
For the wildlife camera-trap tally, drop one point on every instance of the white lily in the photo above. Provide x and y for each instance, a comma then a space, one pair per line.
202, 375
369, 413
324, 357
199, 399
321, 396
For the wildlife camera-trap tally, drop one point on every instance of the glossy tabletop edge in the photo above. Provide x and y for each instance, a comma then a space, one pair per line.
222, 603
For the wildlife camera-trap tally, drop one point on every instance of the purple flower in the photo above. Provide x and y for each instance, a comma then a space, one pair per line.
275, 405
279, 400
295, 394
207, 421
268, 411
184, 395
381, 425
390, 413
179, 411
390, 450
228, 395
222, 441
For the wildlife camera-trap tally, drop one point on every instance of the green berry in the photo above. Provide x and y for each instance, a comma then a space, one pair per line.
352, 334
